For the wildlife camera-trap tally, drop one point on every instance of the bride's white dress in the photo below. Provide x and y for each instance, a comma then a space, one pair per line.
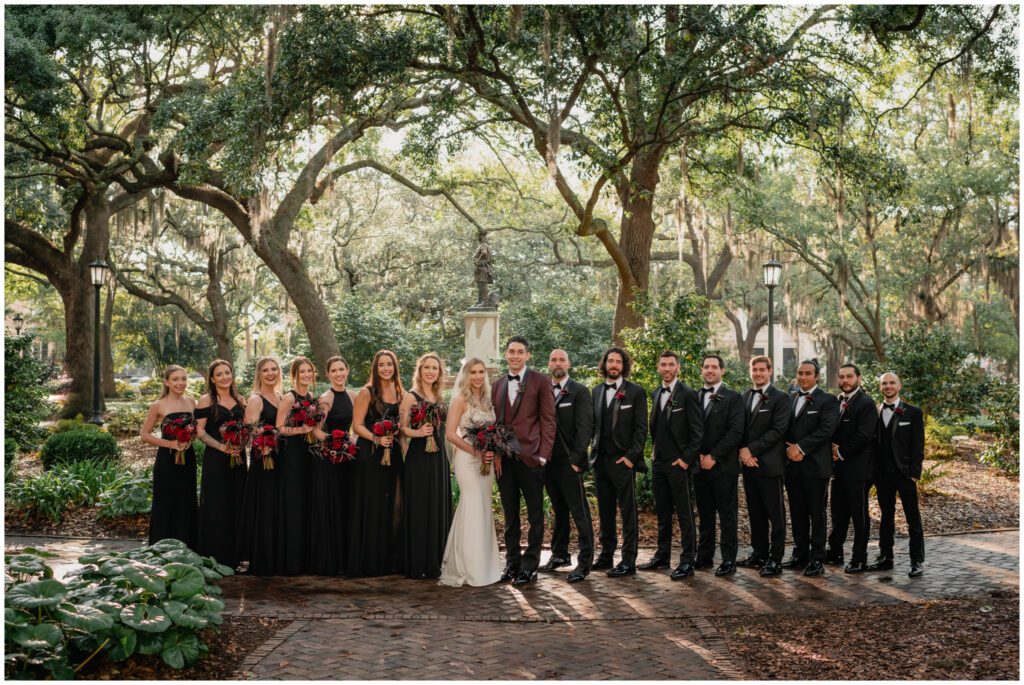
471, 555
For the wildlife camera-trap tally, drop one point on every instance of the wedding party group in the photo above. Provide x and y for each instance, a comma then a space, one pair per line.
358, 483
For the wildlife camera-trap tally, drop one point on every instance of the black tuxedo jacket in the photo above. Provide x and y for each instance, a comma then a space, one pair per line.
684, 420
856, 438
765, 432
907, 431
723, 432
812, 430
629, 423
574, 414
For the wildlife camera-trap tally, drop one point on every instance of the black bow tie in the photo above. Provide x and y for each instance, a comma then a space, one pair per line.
704, 390
609, 386
759, 391
512, 378
556, 386
888, 406
806, 394
664, 389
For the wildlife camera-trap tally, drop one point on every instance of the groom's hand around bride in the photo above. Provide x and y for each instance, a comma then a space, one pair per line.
627, 462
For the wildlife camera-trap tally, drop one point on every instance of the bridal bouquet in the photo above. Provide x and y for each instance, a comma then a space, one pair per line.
264, 438
433, 413
306, 413
181, 428
384, 428
235, 434
338, 447
493, 437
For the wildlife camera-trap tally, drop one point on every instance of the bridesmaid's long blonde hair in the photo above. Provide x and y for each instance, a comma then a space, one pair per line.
463, 388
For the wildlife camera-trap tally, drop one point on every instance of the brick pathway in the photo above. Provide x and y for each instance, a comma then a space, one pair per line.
642, 628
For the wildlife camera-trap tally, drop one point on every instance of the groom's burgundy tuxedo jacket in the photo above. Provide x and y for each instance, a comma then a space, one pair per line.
531, 418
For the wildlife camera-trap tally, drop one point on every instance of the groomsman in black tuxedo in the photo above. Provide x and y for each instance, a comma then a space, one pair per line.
767, 411
676, 425
809, 468
715, 485
617, 453
563, 475
899, 455
853, 452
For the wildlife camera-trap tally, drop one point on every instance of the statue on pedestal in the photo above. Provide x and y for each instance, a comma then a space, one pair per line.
483, 275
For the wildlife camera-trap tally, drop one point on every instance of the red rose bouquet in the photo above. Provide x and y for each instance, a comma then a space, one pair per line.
264, 439
433, 413
181, 428
493, 437
339, 447
386, 427
235, 434
306, 412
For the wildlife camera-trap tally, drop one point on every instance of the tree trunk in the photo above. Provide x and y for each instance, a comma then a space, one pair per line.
745, 344
635, 238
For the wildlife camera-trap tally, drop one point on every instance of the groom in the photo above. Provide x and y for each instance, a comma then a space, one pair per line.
524, 404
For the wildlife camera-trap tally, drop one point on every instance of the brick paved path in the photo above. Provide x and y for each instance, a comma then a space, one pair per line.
643, 627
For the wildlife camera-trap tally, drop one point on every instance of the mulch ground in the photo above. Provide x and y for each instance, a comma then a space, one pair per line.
947, 639
229, 645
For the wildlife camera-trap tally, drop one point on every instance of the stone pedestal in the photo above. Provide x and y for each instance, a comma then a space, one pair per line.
482, 336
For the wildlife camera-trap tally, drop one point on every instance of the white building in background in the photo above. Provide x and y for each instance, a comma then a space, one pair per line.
791, 346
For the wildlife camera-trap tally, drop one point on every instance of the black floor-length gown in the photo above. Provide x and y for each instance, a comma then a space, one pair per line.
259, 535
374, 509
221, 491
328, 499
293, 521
426, 505
175, 509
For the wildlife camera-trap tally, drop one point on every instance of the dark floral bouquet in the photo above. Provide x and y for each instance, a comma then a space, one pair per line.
338, 447
181, 428
264, 438
387, 426
433, 413
493, 437
235, 434
306, 412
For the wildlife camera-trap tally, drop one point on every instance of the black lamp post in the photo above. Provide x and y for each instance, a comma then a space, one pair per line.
256, 345
98, 275
19, 321
772, 274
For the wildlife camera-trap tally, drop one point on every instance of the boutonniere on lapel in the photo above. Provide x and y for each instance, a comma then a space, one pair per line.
564, 392
713, 397
843, 404
672, 404
898, 411
620, 395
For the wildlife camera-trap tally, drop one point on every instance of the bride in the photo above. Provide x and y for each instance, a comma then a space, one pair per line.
471, 554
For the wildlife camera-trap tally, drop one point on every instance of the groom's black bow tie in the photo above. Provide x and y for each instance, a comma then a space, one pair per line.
513, 378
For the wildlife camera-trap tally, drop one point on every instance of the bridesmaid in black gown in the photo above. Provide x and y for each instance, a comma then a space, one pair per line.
329, 481
374, 511
224, 468
175, 510
258, 535
294, 462
426, 483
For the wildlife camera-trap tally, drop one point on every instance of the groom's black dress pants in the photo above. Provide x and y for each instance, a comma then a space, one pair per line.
565, 489
517, 479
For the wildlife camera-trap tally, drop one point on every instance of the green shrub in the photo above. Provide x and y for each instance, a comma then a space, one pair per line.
49, 494
680, 326
151, 387
147, 601
938, 439
27, 384
77, 423
129, 495
125, 390
78, 445
127, 419
10, 451
1001, 406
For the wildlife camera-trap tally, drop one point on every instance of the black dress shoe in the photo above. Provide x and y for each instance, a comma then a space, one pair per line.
855, 567
577, 574
916, 569
794, 562
602, 564
509, 574
525, 578
703, 563
555, 563
770, 569
751, 562
814, 569
653, 564
622, 570
726, 569
881, 564
682, 571
834, 561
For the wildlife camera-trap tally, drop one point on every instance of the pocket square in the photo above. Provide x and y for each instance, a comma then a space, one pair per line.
565, 404
625, 406
761, 410
680, 409
813, 412
904, 423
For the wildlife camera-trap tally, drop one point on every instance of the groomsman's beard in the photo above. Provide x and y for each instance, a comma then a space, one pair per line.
558, 374
612, 376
